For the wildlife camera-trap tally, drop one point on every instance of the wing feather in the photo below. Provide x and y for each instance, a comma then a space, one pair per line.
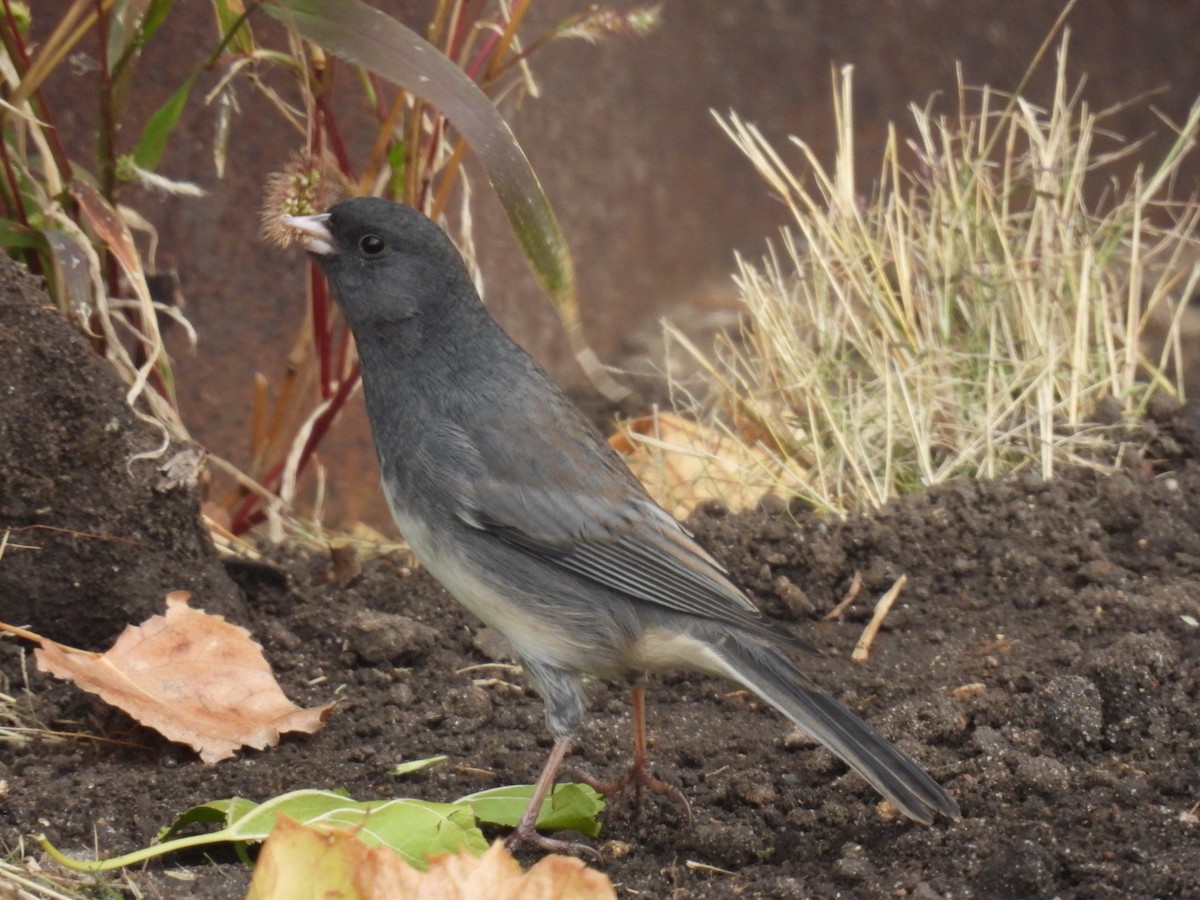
594, 520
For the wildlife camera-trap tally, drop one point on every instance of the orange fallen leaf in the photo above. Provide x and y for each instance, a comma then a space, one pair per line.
299, 860
683, 463
193, 677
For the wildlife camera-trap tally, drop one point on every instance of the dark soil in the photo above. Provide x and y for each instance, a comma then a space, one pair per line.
1042, 663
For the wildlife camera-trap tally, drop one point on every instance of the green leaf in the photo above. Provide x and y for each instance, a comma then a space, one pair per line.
367, 37
416, 829
413, 828
415, 765
224, 812
16, 236
398, 164
231, 14
569, 806
21, 17
155, 16
130, 26
153, 142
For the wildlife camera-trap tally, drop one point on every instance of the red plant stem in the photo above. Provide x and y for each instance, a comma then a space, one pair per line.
107, 125
16, 50
32, 260
435, 140
481, 55
106, 157
12, 40
516, 15
13, 43
325, 130
343, 352
320, 325
458, 31
328, 123
248, 515
462, 25
335, 137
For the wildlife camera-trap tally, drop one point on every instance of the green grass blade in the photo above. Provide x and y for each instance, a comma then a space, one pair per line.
16, 236
233, 16
153, 141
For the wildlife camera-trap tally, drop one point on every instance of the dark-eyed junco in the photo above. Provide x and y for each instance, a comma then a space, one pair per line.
518, 506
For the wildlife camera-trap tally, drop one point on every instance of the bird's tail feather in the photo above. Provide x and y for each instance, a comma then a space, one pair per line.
769, 674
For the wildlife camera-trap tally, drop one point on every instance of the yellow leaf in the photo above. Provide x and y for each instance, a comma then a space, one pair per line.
299, 862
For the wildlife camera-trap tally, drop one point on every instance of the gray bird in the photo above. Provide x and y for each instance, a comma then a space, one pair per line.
519, 507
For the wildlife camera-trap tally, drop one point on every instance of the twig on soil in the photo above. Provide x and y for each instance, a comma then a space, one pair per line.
27, 635
227, 542
705, 867
32, 884
471, 770
497, 682
90, 535
507, 667
856, 584
863, 648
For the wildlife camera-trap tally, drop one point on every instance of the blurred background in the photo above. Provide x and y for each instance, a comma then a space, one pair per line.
654, 199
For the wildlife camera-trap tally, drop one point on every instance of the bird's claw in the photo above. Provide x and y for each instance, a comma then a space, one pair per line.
637, 779
523, 836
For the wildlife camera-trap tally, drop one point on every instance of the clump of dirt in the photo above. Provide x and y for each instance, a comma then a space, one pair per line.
94, 540
1042, 663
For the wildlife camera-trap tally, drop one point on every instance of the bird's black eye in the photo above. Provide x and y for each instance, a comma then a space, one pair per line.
371, 244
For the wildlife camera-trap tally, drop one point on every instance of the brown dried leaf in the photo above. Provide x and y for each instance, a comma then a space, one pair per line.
191, 676
682, 463
108, 225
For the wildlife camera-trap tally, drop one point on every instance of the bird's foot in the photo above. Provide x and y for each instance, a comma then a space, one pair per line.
525, 835
637, 780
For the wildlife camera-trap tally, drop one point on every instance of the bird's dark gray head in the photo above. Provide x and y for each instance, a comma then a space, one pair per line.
386, 262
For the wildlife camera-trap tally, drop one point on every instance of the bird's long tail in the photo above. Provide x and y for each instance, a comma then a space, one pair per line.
769, 674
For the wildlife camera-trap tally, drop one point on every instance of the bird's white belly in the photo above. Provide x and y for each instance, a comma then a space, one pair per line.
532, 636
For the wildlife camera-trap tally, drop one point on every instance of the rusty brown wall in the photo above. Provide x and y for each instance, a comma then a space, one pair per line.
653, 198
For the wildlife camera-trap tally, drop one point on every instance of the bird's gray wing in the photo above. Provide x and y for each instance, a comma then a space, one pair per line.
567, 499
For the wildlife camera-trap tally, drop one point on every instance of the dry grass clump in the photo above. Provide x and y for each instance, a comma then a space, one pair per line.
967, 318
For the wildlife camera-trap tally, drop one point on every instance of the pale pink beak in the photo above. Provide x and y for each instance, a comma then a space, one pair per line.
317, 237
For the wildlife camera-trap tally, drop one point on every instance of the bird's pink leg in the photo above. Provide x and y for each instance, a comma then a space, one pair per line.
639, 776
526, 833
